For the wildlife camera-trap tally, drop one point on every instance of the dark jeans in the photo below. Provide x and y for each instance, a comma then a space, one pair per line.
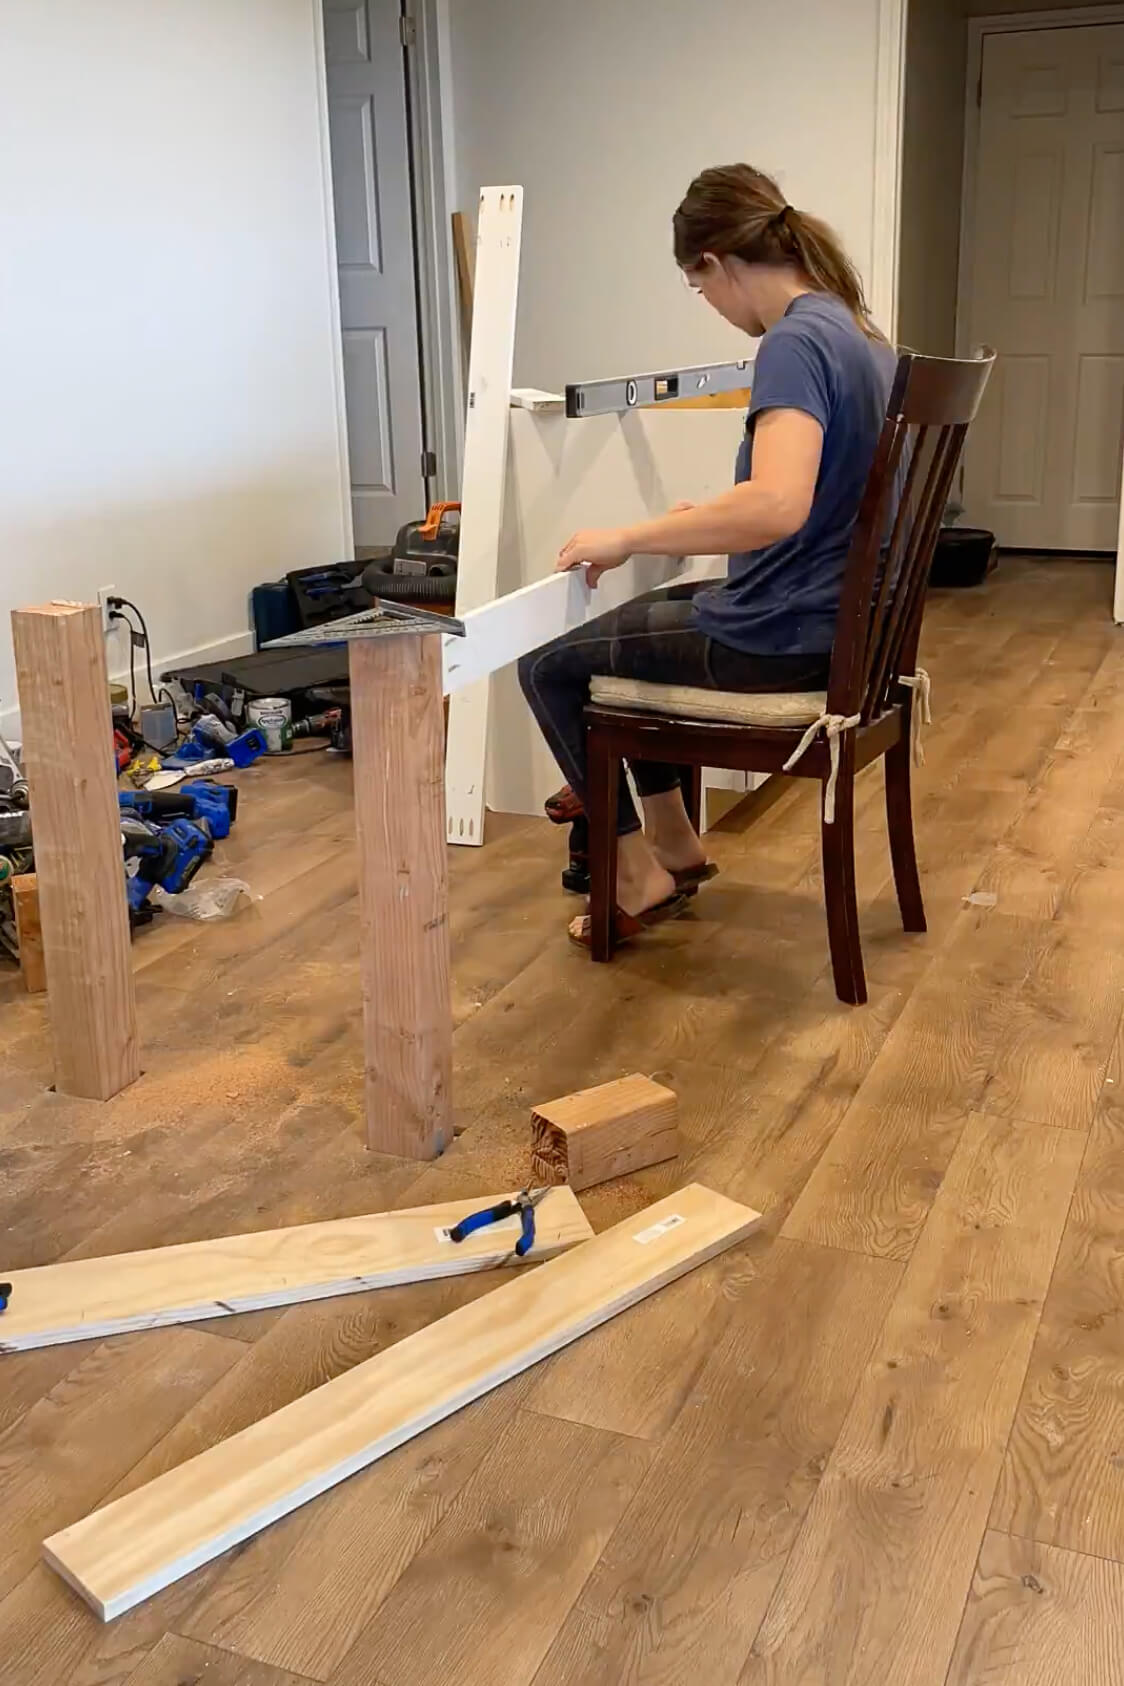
653, 638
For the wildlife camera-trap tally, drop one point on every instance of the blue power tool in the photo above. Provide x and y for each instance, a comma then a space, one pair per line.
169, 855
202, 743
197, 799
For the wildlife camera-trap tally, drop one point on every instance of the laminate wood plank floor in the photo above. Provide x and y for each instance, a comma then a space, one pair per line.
879, 1444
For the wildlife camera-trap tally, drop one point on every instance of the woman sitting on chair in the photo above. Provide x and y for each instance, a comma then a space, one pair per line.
821, 382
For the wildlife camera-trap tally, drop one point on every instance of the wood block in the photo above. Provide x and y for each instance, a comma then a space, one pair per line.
152, 1536
399, 756
603, 1132
68, 753
87, 1299
25, 902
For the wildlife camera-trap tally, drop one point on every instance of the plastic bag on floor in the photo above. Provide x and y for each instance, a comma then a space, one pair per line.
208, 898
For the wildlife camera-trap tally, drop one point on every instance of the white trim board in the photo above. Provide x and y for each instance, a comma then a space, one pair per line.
129, 1550
88, 1299
495, 292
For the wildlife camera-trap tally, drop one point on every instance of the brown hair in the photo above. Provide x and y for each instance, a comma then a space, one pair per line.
736, 211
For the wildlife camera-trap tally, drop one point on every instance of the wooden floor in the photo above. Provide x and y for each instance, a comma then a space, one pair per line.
882, 1444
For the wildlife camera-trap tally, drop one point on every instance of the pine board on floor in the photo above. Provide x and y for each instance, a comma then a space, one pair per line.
123, 1554
87, 1299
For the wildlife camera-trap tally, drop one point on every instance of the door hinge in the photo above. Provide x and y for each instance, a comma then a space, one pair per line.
408, 31
428, 464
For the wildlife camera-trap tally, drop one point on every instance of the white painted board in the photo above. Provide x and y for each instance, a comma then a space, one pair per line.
495, 290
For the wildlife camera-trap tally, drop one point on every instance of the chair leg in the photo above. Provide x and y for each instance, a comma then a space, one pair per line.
604, 784
899, 822
839, 889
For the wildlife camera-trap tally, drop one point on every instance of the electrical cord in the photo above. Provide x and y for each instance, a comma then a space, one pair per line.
116, 604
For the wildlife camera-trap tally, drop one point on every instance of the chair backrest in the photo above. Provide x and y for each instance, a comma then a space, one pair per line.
884, 582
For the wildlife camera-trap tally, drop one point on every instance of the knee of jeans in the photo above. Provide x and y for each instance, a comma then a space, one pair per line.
526, 668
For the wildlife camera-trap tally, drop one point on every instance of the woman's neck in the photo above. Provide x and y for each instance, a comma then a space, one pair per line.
778, 288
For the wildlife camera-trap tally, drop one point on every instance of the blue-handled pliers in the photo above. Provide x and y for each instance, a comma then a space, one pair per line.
522, 1204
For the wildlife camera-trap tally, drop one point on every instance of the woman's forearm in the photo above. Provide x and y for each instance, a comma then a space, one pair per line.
744, 518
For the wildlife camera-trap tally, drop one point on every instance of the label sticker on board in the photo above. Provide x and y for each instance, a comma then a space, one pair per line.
656, 1230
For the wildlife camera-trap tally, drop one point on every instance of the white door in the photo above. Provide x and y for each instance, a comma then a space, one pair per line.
1042, 466
375, 256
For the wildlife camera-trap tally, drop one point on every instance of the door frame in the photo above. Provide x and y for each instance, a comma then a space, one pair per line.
886, 191
430, 133
335, 321
1007, 23
429, 91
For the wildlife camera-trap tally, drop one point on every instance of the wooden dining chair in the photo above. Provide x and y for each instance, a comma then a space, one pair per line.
874, 691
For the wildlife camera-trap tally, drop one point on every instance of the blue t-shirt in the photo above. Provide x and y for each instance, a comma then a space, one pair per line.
783, 600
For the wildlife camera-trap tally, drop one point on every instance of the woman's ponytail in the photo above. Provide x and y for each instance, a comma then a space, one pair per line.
734, 210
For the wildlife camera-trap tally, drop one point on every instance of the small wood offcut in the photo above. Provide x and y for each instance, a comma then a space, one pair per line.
603, 1132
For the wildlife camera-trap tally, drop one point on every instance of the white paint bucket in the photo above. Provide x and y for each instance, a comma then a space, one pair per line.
273, 716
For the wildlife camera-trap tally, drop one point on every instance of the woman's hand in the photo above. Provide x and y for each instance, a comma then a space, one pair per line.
598, 548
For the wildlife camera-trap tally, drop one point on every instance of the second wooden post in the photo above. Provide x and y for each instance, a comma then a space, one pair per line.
76, 832
398, 741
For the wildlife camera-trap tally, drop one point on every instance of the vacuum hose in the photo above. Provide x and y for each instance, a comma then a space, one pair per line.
380, 580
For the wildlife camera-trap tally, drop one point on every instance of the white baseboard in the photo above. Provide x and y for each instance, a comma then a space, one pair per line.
235, 644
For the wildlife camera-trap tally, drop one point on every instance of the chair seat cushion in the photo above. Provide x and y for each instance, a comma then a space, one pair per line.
690, 702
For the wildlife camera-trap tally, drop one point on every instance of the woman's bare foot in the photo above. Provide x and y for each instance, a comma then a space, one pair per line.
673, 839
642, 881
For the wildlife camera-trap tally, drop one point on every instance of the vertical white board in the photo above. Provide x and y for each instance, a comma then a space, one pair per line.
498, 234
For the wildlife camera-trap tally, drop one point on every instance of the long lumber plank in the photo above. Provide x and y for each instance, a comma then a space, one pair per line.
142, 1542
87, 1299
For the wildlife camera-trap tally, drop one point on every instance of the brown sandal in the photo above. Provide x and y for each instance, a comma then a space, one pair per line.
689, 881
629, 925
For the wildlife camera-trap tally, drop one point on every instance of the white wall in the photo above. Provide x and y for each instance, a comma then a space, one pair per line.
169, 419
604, 109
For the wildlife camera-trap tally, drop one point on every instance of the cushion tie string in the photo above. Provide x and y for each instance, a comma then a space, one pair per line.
922, 712
832, 725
